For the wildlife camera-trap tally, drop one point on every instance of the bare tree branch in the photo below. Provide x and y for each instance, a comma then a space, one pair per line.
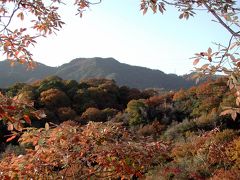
235, 34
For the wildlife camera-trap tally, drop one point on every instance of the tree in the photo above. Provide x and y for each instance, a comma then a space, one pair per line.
43, 18
137, 111
226, 59
15, 41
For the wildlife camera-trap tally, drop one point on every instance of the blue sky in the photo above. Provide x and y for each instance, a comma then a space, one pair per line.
118, 29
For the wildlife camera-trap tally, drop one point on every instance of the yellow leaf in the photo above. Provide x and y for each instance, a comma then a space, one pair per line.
21, 16
46, 126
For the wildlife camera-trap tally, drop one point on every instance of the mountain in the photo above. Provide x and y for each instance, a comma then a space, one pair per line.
19, 73
82, 68
123, 74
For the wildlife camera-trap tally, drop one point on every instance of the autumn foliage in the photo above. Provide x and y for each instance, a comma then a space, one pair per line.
43, 19
98, 150
95, 129
178, 134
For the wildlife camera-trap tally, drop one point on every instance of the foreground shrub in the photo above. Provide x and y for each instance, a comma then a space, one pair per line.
208, 121
233, 153
231, 174
137, 111
13, 149
15, 113
201, 155
178, 130
98, 150
154, 129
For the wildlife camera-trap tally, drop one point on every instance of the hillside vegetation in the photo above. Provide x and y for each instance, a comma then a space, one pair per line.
95, 129
84, 68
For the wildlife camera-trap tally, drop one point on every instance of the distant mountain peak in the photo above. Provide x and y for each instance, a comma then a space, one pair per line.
94, 59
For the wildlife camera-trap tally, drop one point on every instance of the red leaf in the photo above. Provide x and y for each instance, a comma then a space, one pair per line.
10, 127
2, 110
233, 58
11, 107
234, 115
145, 10
180, 16
195, 61
209, 51
210, 58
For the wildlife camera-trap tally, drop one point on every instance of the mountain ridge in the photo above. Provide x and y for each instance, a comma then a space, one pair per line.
85, 68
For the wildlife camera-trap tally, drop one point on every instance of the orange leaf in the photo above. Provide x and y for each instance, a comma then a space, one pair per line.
7, 43
205, 66
11, 138
225, 112
27, 119
10, 127
138, 174
238, 101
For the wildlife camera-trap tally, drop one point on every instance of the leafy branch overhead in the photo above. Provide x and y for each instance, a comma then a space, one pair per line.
43, 19
16, 112
225, 59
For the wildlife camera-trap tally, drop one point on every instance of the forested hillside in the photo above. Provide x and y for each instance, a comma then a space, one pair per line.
96, 129
84, 68
9, 75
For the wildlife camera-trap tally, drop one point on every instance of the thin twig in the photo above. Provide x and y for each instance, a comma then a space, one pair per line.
220, 20
10, 18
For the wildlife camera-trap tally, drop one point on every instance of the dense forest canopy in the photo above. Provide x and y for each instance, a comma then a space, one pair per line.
103, 130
